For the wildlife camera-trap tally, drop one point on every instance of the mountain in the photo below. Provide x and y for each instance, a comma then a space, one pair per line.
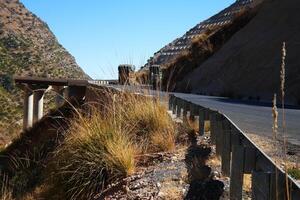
248, 64
27, 48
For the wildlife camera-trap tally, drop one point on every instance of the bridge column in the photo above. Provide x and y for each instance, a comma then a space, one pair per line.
38, 104
28, 108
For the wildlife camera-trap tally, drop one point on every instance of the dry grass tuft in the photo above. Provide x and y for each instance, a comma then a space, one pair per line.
5, 193
102, 147
151, 124
95, 152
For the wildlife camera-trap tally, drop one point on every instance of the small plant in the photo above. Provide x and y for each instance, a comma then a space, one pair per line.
295, 173
104, 146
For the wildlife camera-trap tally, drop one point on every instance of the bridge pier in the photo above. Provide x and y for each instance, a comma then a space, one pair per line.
27, 108
38, 104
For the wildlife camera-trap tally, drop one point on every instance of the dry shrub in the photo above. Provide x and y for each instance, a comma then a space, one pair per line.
101, 147
95, 152
151, 123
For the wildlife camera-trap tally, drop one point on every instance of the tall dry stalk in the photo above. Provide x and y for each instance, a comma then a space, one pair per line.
275, 117
282, 89
275, 131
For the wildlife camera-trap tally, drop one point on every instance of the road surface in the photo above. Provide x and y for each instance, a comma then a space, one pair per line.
249, 116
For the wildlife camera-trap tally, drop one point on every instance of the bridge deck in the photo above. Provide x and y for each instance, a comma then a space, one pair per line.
50, 81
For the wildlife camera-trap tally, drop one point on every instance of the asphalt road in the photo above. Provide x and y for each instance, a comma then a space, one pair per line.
249, 116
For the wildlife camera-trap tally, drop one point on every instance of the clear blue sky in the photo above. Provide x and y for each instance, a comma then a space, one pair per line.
101, 34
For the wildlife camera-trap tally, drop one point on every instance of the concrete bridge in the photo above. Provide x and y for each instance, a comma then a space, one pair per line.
35, 89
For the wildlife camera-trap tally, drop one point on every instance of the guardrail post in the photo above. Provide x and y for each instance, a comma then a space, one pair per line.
179, 106
263, 186
226, 153
236, 138
236, 174
250, 159
219, 134
174, 105
192, 111
201, 121
185, 110
171, 98
212, 119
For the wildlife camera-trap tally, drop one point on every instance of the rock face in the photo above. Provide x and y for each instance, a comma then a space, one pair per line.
248, 65
27, 48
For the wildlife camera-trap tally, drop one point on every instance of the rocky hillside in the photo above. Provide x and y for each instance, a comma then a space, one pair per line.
248, 65
27, 47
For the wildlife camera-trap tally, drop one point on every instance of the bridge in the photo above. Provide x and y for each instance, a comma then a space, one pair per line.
229, 121
35, 89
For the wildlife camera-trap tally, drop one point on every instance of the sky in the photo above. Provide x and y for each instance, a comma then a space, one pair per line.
101, 34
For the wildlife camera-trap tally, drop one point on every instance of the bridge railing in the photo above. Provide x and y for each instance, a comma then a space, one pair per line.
239, 155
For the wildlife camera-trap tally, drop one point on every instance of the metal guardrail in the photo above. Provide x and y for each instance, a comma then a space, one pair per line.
239, 155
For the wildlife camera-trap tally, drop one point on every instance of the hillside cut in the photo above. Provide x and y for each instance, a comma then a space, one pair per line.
248, 65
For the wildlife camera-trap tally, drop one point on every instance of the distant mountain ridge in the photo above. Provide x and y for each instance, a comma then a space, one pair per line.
27, 48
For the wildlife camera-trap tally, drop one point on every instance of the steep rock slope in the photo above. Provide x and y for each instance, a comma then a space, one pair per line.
27, 48
248, 65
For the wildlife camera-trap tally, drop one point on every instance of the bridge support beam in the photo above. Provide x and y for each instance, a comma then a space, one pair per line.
28, 108
38, 104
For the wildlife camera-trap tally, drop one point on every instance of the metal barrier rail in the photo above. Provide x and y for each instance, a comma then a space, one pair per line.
239, 155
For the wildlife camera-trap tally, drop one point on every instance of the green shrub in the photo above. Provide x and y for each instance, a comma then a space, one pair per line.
294, 172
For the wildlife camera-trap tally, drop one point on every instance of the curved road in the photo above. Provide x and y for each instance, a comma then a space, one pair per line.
249, 116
